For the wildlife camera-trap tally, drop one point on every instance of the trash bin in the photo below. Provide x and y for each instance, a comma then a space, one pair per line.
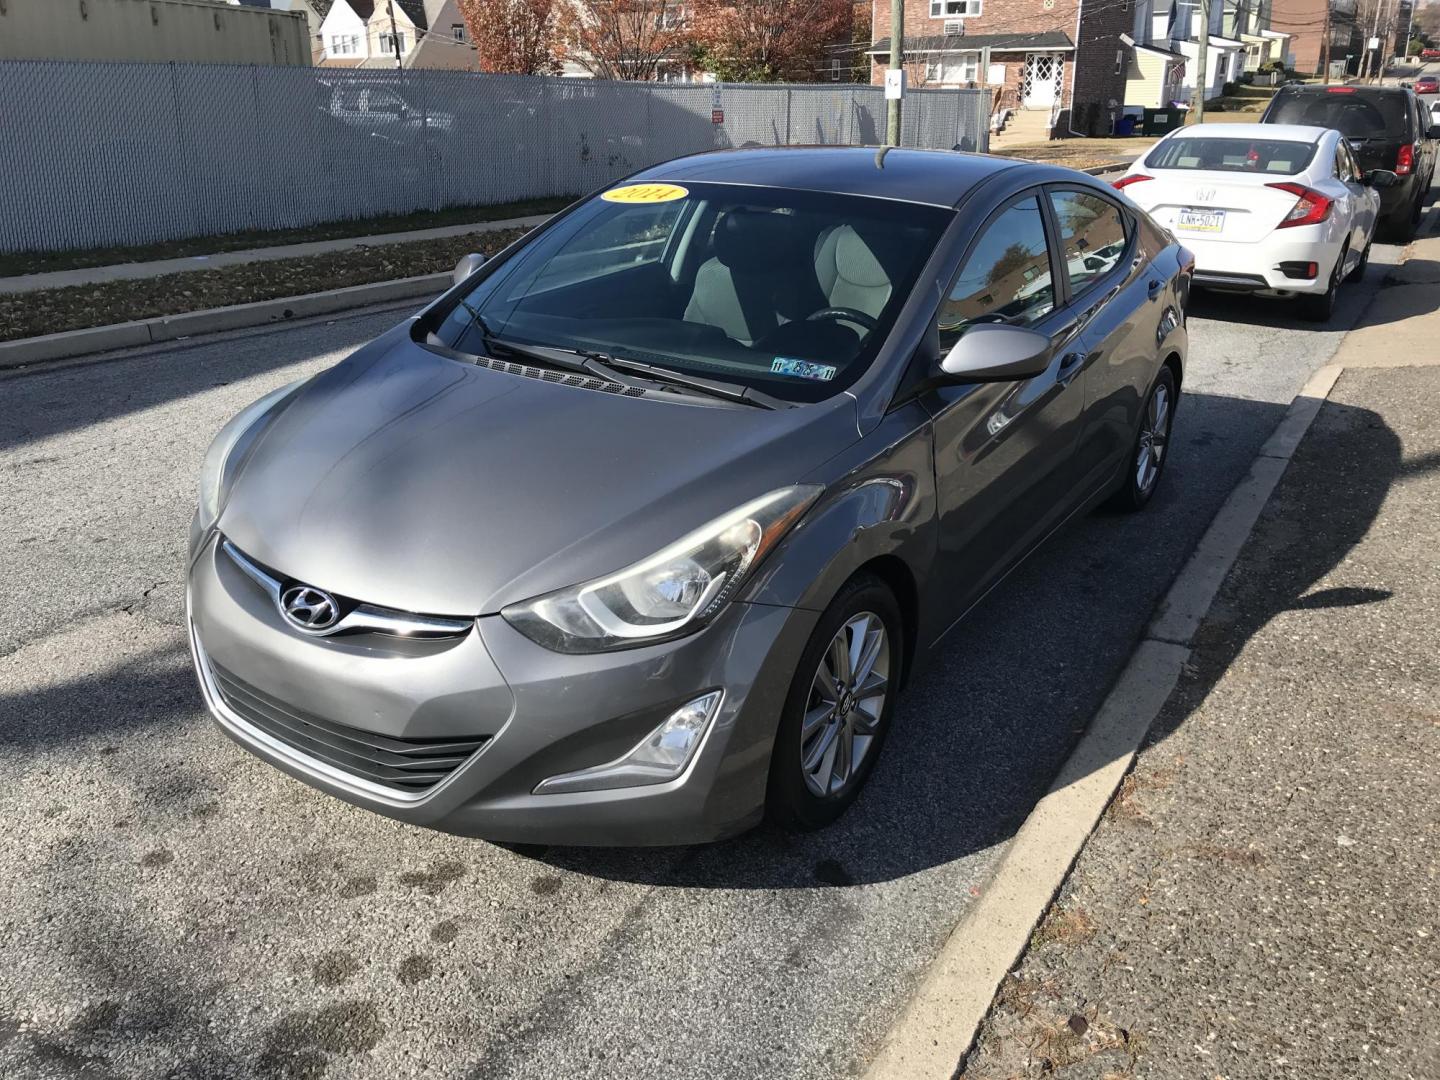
1125, 126
1162, 121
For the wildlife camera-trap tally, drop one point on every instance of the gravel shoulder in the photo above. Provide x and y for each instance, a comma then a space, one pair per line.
1260, 899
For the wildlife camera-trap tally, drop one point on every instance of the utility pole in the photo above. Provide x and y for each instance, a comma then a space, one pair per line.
1202, 82
395, 36
897, 63
1325, 46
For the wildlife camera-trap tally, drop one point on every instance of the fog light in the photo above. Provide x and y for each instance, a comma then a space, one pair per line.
660, 756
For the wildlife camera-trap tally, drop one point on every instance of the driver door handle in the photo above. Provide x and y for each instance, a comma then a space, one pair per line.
1153, 289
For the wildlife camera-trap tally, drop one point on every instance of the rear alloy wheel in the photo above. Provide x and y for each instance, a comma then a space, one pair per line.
1320, 306
838, 709
1152, 443
1359, 271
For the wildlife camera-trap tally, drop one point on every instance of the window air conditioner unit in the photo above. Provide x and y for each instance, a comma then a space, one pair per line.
954, 27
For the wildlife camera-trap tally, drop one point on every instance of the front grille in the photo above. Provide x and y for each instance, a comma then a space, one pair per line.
412, 765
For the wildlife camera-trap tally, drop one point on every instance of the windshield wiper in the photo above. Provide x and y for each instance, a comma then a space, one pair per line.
719, 388
604, 366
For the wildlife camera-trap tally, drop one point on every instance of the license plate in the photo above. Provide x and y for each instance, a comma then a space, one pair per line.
1201, 220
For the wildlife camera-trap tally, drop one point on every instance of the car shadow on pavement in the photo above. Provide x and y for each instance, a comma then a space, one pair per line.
1325, 505
60, 400
979, 735
1377, 306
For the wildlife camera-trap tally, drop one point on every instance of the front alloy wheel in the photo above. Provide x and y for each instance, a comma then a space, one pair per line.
838, 710
847, 699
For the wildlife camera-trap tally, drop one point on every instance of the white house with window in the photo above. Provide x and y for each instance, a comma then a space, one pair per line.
424, 34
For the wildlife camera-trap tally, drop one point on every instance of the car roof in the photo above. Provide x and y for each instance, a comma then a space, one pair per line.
1343, 88
1297, 132
936, 177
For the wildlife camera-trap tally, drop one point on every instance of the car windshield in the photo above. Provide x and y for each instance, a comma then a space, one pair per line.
1232, 155
1354, 114
789, 292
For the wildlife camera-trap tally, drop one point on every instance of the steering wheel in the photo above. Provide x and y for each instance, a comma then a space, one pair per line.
843, 314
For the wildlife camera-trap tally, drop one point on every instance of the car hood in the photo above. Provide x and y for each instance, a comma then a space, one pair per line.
407, 479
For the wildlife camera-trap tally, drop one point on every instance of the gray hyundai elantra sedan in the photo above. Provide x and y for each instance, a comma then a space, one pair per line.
636, 533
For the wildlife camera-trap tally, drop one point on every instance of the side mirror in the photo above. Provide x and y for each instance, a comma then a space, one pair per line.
467, 265
994, 352
1381, 178
1433, 131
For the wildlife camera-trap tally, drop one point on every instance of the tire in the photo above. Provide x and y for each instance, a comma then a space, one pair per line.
1320, 306
1149, 454
806, 790
1359, 271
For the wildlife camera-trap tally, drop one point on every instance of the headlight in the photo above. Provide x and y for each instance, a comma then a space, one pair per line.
674, 592
215, 472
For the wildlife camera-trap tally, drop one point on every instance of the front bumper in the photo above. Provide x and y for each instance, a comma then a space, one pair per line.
537, 713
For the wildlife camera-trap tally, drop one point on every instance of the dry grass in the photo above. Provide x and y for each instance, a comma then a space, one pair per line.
53, 310
1064, 926
15, 264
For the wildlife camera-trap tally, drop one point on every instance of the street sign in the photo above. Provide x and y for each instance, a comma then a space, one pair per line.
894, 84
717, 116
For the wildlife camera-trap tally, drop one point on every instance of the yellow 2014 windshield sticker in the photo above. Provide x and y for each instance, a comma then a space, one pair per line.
645, 193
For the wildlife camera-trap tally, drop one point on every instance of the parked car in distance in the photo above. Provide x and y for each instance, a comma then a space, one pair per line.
1427, 84
1430, 54
638, 530
1386, 127
1266, 208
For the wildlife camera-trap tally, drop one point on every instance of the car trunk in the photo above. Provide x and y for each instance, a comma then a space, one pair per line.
1215, 206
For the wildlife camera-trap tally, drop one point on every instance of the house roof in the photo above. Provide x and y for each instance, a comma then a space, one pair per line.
414, 10
1169, 54
1048, 41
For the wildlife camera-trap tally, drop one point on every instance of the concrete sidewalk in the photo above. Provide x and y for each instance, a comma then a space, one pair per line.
1260, 900
60, 279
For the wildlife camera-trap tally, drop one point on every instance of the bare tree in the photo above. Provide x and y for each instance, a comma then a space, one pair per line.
622, 39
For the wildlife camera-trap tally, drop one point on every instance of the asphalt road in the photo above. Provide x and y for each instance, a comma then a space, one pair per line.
171, 906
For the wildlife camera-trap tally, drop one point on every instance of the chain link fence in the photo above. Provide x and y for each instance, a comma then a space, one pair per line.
114, 154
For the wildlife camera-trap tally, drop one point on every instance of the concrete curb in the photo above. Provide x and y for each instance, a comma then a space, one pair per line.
98, 339
939, 1024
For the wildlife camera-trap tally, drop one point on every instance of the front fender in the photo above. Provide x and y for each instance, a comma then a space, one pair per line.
879, 503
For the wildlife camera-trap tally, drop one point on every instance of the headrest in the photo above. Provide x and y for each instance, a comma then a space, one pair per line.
754, 241
855, 260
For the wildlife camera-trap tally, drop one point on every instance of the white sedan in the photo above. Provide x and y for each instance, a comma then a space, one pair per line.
1274, 209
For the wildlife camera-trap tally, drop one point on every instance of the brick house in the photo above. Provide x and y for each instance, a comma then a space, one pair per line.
1056, 65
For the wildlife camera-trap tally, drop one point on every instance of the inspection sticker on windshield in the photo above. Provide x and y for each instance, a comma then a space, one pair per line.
645, 193
802, 369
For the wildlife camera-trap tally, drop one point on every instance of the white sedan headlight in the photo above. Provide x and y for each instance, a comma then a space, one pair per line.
674, 592
215, 471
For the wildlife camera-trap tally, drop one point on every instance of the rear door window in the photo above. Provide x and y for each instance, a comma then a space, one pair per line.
1093, 236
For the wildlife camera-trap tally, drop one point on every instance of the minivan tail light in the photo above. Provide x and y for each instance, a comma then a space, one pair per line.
1405, 160
1310, 207
1126, 181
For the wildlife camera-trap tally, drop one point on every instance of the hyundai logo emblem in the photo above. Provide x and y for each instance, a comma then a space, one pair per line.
309, 609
